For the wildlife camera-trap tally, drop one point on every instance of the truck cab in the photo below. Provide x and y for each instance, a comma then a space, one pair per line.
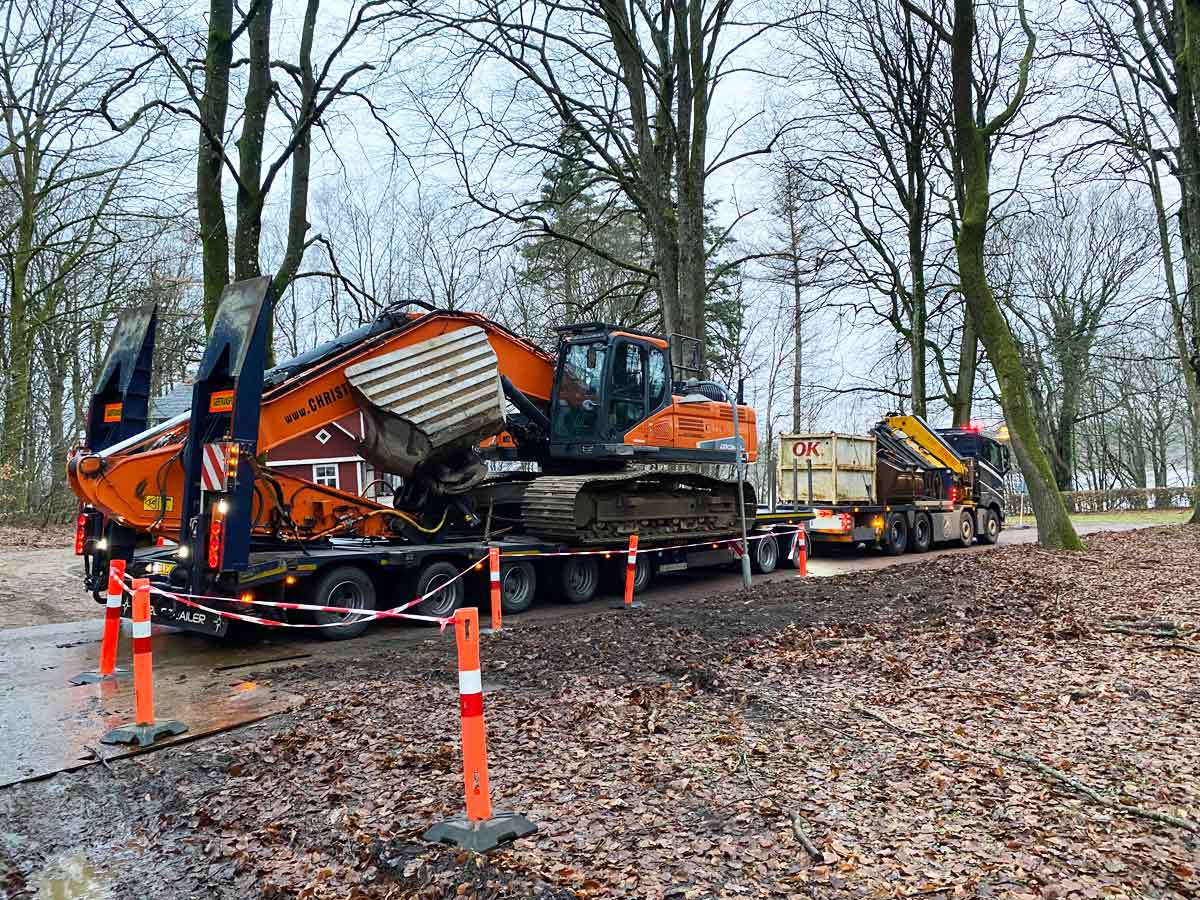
992, 462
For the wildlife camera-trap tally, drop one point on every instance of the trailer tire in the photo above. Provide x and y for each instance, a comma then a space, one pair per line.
895, 540
991, 527
921, 538
784, 539
347, 586
764, 555
579, 578
518, 583
445, 602
966, 528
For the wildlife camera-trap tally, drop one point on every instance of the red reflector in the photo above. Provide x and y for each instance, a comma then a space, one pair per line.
216, 541
80, 533
953, 495
847, 521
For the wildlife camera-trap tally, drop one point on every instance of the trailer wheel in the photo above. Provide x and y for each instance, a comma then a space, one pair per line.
764, 555
579, 578
444, 603
895, 538
347, 586
518, 582
784, 540
991, 527
921, 538
966, 528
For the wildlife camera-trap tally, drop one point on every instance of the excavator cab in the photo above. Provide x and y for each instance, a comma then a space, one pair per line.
615, 397
608, 381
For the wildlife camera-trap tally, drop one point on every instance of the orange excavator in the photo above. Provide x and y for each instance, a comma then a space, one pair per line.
442, 394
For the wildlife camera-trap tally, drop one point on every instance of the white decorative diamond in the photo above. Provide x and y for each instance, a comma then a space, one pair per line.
322, 436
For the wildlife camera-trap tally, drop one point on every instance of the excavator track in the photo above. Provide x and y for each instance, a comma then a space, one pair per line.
597, 509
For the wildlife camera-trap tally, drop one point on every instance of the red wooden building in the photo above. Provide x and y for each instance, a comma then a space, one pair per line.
327, 456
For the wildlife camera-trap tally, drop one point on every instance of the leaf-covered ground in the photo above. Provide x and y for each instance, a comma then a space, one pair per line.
1010, 724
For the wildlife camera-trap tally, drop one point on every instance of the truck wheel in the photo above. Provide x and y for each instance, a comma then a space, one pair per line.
764, 555
991, 527
446, 601
347, 586
643, 573
895, 538
783, 540
966, 528
921, 538
579, 578
518, 582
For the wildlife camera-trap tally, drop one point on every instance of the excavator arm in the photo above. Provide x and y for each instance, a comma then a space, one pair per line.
151, 481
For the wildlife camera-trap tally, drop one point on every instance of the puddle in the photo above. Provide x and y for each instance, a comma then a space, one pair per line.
71, 877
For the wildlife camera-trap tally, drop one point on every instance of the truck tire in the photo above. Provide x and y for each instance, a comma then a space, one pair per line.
518, 582
991, 527
444, 603
966, 528
579, 577
895, 537
921, 538
346, 586
764, 555
784, 541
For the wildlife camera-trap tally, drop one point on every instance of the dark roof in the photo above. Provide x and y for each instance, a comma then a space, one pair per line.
177, 400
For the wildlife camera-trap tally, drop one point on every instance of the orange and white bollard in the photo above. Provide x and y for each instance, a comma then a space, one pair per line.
482, 828
144, 731
630, 576
107, 670
494, 582
800, 549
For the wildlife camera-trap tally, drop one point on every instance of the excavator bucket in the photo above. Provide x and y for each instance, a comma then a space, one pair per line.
427, 406
121, 398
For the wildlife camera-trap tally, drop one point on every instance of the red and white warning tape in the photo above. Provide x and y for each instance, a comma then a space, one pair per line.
711, 544
399, 612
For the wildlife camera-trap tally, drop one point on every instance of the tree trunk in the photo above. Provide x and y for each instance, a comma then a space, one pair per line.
968, 354
210, 207
247, 235
14, 441
1055, 530
1186, 312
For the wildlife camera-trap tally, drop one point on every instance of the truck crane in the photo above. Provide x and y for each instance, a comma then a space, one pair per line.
441, 392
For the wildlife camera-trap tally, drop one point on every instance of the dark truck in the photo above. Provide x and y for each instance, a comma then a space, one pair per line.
903, 487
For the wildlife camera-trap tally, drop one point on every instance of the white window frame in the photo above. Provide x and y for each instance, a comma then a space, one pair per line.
336, 474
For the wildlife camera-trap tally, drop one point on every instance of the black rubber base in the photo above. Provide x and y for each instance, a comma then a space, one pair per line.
480, 837
143, 735
636, 604
96, 677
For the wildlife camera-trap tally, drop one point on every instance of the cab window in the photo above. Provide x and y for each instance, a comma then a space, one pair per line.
628, 404
578, 406
657, 378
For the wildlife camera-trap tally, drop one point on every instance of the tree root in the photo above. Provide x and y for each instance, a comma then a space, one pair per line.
1040, 767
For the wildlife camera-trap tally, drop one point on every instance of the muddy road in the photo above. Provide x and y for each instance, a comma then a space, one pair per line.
679, 751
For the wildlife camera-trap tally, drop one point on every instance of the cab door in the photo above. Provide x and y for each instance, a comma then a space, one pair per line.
637, 385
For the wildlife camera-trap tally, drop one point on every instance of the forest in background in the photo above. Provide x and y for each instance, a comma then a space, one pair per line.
858, 205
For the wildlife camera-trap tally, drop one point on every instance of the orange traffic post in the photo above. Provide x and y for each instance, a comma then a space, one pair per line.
801, 552
107, 670
144, 731
482, 828
630, 576
494, 582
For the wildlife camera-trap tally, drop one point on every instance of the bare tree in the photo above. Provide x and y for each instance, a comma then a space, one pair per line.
974, 130
283, 104
634, 84
1078, 269
62, 175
